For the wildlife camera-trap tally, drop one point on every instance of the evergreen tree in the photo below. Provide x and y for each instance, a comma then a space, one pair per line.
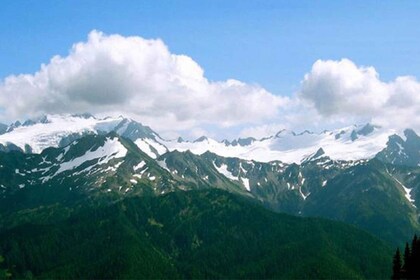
4, 273
415, 259
411, 267
414, 245
407, 261
396, 268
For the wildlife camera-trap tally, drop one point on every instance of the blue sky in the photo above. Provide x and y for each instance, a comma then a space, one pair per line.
268, 46
272, 43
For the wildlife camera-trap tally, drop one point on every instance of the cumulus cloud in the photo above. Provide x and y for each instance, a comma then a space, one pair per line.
140, 78
341, 89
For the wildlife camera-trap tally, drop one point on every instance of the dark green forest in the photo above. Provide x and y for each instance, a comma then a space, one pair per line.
195, 234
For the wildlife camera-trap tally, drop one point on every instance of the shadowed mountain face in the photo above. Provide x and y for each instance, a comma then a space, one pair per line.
196, 234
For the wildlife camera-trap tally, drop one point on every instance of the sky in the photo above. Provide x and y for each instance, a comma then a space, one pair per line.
222, 68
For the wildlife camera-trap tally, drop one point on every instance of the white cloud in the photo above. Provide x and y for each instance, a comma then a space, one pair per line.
340, 87
139, 78
142, 79
342, 90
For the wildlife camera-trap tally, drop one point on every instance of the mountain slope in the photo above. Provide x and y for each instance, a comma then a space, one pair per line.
88, 167
375, 196
199, 234
368, 196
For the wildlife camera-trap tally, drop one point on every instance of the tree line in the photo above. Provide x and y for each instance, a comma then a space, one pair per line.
407, 266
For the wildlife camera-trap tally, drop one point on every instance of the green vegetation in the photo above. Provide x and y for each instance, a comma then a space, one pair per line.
4, 273
195, 234
369, 197
409, 269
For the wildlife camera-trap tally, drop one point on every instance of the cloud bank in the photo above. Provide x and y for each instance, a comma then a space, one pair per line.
141, 78
138, 77
341, 89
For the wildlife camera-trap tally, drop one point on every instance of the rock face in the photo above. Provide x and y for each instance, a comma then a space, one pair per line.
402, 152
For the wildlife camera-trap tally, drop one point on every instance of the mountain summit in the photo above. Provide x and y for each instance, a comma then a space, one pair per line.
349, 143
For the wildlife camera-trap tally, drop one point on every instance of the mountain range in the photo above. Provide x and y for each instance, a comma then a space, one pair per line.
349, 143
58, 169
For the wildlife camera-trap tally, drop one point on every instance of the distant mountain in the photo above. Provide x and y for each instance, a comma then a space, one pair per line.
376, 196
33, 136
400, 151
67, 159
350, 143
197, 234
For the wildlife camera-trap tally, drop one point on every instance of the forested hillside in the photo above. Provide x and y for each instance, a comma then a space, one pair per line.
196, 234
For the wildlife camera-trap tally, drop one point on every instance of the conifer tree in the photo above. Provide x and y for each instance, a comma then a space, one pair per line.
407, 261
414, 245
4, 273
415, 259
411, 267
396, 268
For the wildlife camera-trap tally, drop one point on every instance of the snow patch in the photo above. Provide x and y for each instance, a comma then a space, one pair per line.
293, 148
241, 168
43, 135
407, 191
145, 148
303, 195
162, 163
245, 181
223, 169
139, 166
111, 149
151, 147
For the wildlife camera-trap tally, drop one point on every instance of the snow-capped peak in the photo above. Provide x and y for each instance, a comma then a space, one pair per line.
349, 143
59, 130
315, 156
53, 130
